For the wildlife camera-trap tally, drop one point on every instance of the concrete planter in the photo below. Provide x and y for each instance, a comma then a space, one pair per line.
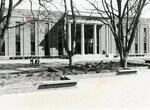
149, 66
147, 61
57, 84
63, 82
126, 71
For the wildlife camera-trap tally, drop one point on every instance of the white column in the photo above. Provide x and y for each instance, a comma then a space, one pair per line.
147, 39
69, 36
141, 39
63, 48
111, 42
82, 40
138, 38
102, 39
94, 39
100, 48
7, 43
36, 28
106, 39
133, 47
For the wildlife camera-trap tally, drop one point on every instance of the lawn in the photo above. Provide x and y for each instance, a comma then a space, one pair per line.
29, 80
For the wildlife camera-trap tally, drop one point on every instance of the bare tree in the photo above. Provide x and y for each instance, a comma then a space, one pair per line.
122, 17
7, 7
5, 15
70, 51
71, 8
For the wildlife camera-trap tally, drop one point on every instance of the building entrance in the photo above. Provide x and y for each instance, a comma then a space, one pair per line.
88, 39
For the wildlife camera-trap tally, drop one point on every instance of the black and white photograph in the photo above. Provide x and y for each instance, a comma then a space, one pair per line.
74, 54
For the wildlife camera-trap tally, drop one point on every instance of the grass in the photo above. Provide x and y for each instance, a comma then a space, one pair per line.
13, 66
18, 82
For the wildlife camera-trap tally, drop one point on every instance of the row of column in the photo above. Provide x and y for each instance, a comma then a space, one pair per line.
140, 42
106, 40
83, 38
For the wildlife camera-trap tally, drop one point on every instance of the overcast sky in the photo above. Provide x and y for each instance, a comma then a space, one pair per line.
80, 4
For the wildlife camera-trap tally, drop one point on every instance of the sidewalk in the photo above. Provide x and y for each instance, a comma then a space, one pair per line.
51, 60
21, 70
27, 61
127, 92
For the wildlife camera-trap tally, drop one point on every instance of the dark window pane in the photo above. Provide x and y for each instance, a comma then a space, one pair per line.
17, 48
32, 38
2, 53
46, 39
32, 32
136, 47
32, 48
145, 47
145, 40
18, 38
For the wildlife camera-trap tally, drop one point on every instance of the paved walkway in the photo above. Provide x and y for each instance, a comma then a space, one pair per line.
125, 92
27, 61
21, 70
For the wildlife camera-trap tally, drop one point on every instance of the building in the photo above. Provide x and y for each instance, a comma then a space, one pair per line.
44, 38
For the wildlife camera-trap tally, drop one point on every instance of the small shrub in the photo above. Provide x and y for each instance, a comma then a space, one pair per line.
29, 75
99, 67
2, 83
99, 70
40, 74
85, 69
107, 55
103, 52
115, 56
50, 75
110, 65
6, 76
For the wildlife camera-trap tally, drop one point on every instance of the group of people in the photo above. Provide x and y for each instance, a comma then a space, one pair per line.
34, 62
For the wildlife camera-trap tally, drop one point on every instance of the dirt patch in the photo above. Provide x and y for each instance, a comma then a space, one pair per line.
29, 80
19, 83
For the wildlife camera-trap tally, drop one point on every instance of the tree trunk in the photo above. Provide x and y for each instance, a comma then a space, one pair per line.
123, 62
70, 62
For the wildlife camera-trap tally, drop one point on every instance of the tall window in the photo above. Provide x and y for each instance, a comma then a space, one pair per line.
18, 38
136, 42
32, 38
46, 46
145, 39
